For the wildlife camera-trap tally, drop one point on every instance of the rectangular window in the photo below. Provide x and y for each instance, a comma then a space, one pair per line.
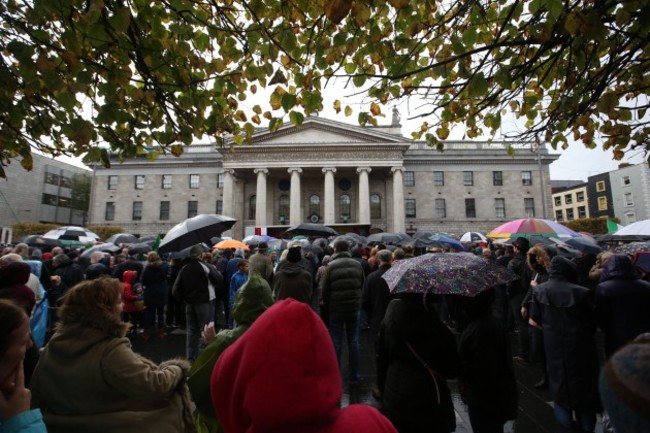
220, 180
50, 200
468, 178
500, 207
139, 181
602, 203
568, 198
600, 186
626, 180
192, 209
109, 213
112, 182
137, 211
558, 200
166, 181
409, 208
497, 178
219, 208
580, 196
529, 207
630, 218
582, 212
441, 208
375, 206
164, 210
629, 201
65, 202
52, 178
569, 214
438, 178
409, 178
558, 215
194, 181
527, 178
470, 208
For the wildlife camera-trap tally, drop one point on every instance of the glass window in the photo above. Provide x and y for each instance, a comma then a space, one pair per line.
139, 181
51, 178
582, 212
109, 213
580, 196
194, 181
470, 208
497, 178
344, 207
600, 186
558, 200
314, 205
166, 181
137, 211
65, 202
220, 180
375, 206
529, 207
500, 207
164, 210
252, 205
409, 178
569, 214
629, 201
438, 178
630, 218
219, 207
626, 180
50, 200
527, 178
284, 207
602, 203
192, 208
559, 215
568, 198
468, 178
441, 208
112, 182
409, 208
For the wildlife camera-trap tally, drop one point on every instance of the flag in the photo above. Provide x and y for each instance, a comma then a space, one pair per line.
156, 244
612, 226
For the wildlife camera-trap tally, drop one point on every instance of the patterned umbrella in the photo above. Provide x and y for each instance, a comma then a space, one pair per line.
72, 233
473, 237
528, 227
446, 274
633, 247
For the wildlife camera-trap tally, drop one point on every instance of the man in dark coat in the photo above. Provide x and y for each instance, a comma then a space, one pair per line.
376, 295
622, 303
129, 264
342, 298
565, 312
293, 280
517, 291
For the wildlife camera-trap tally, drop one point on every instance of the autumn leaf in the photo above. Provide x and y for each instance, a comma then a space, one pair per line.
336, 10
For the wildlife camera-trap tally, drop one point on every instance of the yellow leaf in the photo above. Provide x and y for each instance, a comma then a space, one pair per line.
361, 13
337, 106
442, 133
336, 10
256, 119
253, 89
618, 155
240, 116
374, 109
399, 4
267, 115
348, 111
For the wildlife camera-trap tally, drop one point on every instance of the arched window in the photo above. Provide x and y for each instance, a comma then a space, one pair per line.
375, 206
314, 205
344, 207
252, 205
284, 208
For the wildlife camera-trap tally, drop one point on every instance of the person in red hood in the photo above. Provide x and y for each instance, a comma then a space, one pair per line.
282, 375
130, 312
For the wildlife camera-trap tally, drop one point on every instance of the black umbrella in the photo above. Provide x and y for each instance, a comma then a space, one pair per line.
421, 243
196, 230
387, 238
141, 248
40, 241
586, 245
123, 238
309, 229
107, 247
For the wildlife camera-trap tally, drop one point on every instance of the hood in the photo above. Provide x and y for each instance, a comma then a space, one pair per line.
618, 267
563, 269
129, 277
291, 269
538, 251
282, 376
252, 299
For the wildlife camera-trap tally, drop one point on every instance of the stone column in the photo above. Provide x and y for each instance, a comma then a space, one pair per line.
228, 192
398, 199
364, 195
329, 217
295, 203
260, 197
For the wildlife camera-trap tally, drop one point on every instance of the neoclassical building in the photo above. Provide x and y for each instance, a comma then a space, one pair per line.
362, 179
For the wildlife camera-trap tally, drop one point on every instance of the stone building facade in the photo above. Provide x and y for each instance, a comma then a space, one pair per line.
362, 179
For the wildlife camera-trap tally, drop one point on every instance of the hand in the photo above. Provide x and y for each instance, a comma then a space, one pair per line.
55, 280
209, 333
524, 312
16, 400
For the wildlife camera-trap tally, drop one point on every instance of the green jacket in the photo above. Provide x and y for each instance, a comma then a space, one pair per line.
343, 283
252, 299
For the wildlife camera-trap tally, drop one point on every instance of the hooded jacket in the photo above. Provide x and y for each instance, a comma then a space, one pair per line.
293, 281
272, 380
622, 303
129, 296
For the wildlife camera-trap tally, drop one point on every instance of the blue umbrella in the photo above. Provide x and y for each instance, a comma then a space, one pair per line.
448, 241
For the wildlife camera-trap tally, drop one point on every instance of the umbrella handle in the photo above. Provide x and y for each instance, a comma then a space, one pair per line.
431, 371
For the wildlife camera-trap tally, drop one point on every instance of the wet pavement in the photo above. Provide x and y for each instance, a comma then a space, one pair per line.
535, 410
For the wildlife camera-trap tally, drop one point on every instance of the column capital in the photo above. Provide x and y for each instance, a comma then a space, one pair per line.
366, 169
396, 169
261, 170
292, 170
230, 171
326, 169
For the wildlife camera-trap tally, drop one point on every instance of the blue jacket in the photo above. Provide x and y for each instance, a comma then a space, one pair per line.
30, 421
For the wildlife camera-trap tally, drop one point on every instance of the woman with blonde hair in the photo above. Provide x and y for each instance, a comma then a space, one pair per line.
154, 284
88, 378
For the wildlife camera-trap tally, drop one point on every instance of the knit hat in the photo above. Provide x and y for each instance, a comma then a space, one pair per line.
13, 279
196, 251
522, 244
625, 386
293, 255
263, 246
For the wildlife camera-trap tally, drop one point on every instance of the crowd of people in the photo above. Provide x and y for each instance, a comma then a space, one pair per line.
265, 334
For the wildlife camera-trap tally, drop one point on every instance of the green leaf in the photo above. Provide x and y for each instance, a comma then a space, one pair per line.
121, 20
478, 86
296, 118
288, 101
470, 36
